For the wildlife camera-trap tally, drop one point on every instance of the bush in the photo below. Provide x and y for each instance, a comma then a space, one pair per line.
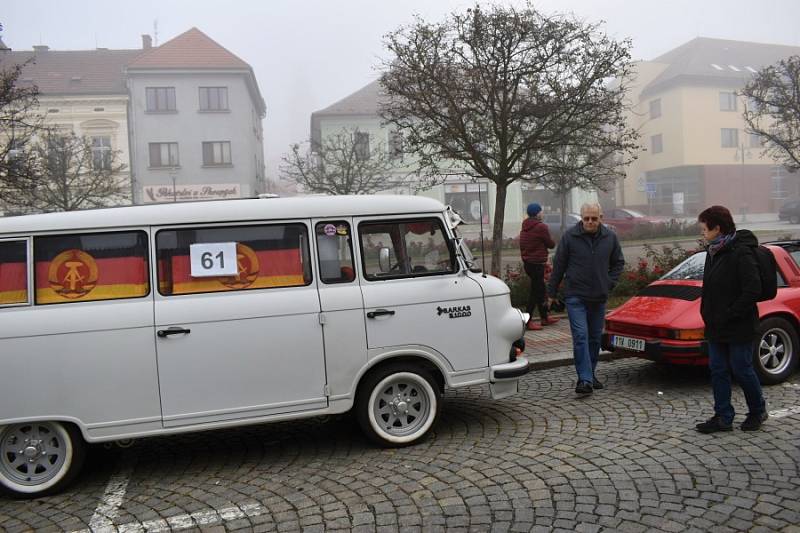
636, 275
671, 228
649, 268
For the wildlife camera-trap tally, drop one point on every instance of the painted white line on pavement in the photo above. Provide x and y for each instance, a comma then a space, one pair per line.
103, 518
788, 411
210, 517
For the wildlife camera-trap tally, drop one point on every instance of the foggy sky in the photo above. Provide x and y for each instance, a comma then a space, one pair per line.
308, 54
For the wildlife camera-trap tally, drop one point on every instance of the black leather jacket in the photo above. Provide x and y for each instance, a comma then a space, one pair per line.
731, 287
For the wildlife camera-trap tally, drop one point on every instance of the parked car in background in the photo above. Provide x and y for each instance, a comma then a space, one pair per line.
553, 221
663, 322
626, 220
790, 211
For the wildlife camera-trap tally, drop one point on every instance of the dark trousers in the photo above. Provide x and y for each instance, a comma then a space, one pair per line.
724, 359
535, 271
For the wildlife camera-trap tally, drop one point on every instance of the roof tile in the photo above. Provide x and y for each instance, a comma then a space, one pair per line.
191, 49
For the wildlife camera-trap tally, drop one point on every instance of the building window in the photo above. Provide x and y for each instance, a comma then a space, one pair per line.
101, 153
730, 137
755, 140
160, 99
655, 108
164, 155
396, 145
779, 191
361, 145
657, 144
727, 101
216, 153
213, 98
470, 200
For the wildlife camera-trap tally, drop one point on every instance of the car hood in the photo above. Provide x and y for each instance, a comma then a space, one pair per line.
665, 304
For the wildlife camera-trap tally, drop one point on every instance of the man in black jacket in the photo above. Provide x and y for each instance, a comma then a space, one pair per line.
589, 259
731, 287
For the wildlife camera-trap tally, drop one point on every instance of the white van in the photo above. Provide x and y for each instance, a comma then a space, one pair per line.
159, 319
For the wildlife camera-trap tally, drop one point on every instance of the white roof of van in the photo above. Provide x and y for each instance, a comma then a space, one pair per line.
221, 210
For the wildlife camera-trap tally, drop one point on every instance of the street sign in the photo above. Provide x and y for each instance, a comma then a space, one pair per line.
650, 188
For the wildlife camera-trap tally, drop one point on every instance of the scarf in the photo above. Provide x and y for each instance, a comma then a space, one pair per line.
720, 242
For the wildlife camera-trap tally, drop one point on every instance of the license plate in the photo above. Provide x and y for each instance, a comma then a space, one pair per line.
628, 343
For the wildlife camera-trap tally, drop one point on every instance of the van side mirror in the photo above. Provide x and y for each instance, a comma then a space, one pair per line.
383, 260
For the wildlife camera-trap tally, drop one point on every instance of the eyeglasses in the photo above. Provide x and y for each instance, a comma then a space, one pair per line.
592, 219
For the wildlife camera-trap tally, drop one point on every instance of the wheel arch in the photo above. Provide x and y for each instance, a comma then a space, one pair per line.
419, 359
786, 315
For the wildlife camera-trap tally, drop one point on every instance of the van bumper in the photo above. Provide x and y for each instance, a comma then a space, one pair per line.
504, 380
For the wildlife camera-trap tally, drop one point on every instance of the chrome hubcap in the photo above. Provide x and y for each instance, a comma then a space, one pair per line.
775, 351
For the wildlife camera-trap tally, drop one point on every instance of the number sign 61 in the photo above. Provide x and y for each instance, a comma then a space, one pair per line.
213, 259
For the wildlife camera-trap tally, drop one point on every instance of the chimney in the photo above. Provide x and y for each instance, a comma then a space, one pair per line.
147, 42
39, 48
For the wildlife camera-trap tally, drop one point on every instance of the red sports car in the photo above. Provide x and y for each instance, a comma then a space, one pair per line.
663, 322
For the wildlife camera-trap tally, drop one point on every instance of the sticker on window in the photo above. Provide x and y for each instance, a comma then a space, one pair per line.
213, 259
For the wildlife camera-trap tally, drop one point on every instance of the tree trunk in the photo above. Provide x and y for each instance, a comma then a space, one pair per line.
563, 212
497, 230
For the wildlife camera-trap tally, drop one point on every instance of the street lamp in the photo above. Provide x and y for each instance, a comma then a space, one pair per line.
173, 174
741, 153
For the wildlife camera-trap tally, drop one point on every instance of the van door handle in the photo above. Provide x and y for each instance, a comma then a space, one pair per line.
172, 331
379, 312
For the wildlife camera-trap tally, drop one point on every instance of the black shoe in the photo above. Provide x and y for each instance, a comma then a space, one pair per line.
713, 425
596, 384
753, 422
584, 387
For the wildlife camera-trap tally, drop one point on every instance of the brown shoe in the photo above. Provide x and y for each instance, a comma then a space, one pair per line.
533, 326
549, 321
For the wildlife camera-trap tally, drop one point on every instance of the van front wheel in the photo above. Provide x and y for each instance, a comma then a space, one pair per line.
397, 405
39, 458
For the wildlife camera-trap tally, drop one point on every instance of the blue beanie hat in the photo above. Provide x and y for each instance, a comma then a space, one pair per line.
534, 209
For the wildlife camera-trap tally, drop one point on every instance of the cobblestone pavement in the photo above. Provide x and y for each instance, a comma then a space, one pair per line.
624, 459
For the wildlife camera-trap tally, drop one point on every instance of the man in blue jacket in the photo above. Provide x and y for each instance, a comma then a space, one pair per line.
589, 260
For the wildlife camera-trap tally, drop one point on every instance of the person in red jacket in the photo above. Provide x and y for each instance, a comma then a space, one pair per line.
534, 241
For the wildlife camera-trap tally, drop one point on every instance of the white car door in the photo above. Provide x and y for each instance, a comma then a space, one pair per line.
419, 298
237, 346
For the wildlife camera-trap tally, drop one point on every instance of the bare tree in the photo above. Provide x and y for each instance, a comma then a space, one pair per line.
495, 92
344, 163
573, 168
19, 123
772, 110
72, 175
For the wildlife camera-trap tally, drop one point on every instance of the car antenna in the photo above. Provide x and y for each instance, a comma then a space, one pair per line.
480, 213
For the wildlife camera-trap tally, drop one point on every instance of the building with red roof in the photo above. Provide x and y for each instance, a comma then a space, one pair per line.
185, 116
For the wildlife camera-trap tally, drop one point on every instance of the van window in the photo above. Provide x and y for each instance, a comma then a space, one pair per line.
268, 256
416, 247
91, 266
335, 252
13, 272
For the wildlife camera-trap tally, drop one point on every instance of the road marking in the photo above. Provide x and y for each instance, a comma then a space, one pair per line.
103, 518
788, 411
210, 517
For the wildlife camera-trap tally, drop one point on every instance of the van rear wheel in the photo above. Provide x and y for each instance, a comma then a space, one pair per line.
397, 405
39, 458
